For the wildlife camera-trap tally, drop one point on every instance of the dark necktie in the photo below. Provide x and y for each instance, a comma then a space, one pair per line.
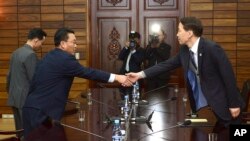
192, 58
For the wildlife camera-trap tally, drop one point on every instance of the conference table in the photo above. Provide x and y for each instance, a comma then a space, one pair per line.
168, 107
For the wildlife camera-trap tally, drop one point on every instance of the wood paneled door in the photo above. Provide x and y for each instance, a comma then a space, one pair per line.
112, 21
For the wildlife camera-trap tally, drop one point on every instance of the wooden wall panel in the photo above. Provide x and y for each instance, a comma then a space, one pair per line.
18, 16
243, 41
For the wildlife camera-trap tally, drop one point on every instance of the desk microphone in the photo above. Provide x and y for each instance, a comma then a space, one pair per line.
170, 99
72, 127
74, 102
179, 124
157, 89
101, 85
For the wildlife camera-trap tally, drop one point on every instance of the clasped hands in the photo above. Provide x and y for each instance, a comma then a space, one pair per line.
128, 79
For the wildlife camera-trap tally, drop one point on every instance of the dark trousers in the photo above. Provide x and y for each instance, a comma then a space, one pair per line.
18, 119
32, 119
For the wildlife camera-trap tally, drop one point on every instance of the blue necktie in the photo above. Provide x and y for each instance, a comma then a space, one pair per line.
196, 88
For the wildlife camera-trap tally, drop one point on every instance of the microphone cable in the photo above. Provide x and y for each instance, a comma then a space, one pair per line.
72, 127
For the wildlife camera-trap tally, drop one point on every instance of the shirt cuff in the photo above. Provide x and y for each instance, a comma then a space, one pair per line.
142, 74
111, 78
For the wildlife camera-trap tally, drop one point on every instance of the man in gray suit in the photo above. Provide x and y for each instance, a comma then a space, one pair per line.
22, 66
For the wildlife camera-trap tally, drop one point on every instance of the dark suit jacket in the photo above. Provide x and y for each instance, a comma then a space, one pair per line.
216, 76
135, 61
52, 81
159, 54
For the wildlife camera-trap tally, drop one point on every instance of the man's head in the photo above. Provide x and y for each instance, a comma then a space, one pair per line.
161, 35
189, 28
65, 39
36, 37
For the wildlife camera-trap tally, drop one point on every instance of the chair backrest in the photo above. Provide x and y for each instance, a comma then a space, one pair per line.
245, 93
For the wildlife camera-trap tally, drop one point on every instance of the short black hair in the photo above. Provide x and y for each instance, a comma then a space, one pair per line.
62, 35
194, 24
133, 34
36, 33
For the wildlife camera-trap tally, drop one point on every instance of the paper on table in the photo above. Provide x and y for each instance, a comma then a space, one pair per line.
197, 119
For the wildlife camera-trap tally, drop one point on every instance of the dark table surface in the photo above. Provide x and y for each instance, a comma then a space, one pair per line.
164, 124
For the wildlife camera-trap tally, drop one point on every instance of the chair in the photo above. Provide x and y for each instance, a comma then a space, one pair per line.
13, 132
245, 93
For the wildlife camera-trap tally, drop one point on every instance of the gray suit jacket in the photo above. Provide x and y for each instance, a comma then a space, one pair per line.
22, 66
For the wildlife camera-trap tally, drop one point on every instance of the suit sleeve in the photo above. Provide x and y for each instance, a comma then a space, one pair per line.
167, 65
227, 76
30, 65
73, 68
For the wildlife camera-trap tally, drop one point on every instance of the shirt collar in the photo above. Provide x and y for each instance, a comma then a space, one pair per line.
194, 48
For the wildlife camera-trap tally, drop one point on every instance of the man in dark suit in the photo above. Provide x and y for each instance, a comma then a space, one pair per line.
207, 71
132, 56
52, 81
22, 66
157, 51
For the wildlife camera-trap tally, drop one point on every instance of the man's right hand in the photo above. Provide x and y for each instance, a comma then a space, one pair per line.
133, 77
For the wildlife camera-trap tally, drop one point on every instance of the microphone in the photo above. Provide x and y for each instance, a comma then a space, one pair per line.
72, 127
179, 124
73, 102
170, 99
101, 85
157, 89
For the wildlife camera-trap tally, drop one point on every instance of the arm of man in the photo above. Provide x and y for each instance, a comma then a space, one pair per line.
30, 65
74, 68
227, 74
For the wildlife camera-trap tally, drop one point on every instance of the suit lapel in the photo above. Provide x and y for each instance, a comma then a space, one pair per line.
185, 57
200, 53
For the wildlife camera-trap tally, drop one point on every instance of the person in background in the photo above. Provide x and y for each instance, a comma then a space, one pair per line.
53, 79
157, 51
132, 56
22, 66
207, 71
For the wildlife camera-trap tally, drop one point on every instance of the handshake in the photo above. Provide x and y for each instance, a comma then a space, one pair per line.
128, 79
